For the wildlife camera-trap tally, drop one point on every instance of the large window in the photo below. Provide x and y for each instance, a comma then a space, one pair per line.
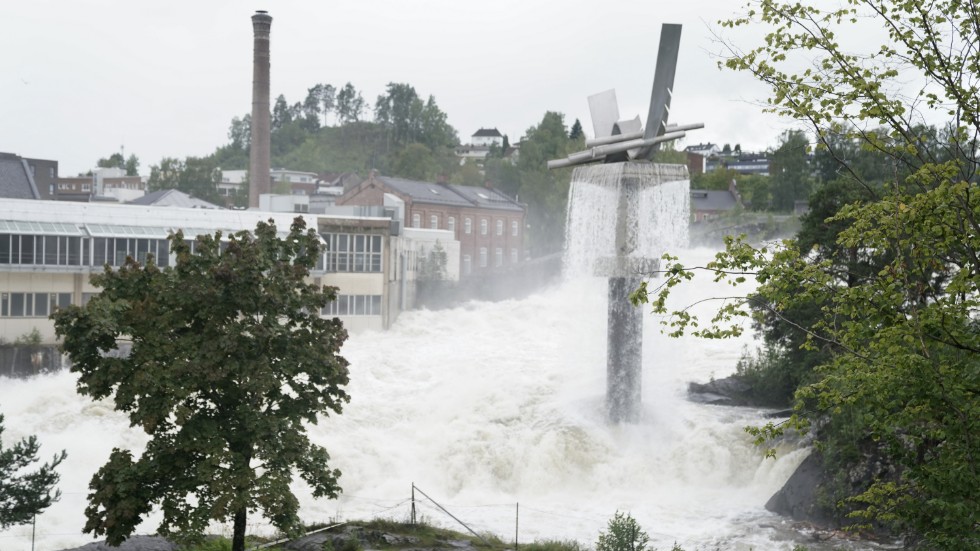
114, 250
498, 257
467, 264
513, 228
513, 256
483, 257
467, 225
416, 220
353, 252
483, 226
434, 222
500, 227
451, 224
50, 250
354, 305
32, 305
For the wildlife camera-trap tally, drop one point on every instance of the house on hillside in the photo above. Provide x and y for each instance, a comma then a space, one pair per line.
479, 146
704, 149
709, 203
488, 224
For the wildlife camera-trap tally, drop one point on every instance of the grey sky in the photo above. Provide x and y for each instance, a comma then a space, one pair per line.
79, 79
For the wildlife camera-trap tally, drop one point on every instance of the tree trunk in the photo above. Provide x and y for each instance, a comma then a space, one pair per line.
238, 537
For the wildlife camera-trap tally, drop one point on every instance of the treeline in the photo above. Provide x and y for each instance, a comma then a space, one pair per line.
403, 134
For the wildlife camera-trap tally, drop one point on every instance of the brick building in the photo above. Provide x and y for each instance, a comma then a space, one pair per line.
488, 225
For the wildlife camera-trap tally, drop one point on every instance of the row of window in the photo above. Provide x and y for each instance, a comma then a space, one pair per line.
344, 252
32, 305
498, 259
467, 224
354, 305
347, 252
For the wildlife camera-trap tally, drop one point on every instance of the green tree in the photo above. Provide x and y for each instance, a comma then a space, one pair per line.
195, 176
622, 533
24, 493
116, 160
350, 105
576, 131
415, 162
240, 132
228, 360
901, 369
790, 172
281, 113
546, 192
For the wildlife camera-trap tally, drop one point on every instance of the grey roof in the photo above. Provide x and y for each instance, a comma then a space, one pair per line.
15, 178
706, 199
172, 198
488, 133
451, 194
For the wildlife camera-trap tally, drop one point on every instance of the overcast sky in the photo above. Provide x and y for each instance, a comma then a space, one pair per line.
81, 79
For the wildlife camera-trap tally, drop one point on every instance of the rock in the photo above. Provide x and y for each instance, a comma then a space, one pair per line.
730, 391
798, 498
134, 543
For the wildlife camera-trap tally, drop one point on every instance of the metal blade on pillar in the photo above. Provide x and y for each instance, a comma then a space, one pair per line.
663, 86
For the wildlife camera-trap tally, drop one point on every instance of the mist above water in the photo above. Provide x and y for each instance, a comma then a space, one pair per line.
484, 406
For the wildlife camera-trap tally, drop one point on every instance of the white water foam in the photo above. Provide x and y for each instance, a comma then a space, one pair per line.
484, 406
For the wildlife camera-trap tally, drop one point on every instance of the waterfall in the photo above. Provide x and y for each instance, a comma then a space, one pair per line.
490, 404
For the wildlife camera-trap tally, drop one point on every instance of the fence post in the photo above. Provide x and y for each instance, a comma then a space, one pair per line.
517, 524
413, 504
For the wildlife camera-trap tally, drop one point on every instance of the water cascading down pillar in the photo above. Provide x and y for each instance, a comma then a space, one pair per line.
633, 260
260, 151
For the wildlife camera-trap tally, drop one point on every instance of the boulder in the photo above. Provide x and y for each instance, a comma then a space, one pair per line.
730, 391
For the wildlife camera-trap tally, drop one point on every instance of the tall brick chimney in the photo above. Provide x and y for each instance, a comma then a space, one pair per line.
260, 155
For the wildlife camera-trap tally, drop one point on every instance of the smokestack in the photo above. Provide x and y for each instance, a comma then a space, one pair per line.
259, 157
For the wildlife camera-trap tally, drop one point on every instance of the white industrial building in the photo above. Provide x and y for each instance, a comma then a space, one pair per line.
49, 249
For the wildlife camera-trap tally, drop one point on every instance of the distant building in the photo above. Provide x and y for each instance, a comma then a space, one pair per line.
17, 178
292, 182
485, 137
479, 147
104, 184
707, 203
488, 224
172, 198
704, 149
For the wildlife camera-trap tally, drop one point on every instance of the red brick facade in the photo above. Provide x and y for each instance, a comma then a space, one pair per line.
495, 236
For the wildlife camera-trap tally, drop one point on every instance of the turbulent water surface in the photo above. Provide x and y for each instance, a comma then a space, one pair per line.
483, 407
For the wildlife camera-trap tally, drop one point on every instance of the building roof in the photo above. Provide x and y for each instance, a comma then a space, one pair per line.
712, 200
172, 198
450, 194
16, 181
488, 133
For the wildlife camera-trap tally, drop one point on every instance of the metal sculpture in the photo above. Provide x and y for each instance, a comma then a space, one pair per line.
628, 142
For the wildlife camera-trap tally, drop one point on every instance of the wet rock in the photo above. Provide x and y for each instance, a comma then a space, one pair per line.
730, 391
134, 543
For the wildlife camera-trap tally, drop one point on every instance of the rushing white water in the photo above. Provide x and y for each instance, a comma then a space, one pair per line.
482, 407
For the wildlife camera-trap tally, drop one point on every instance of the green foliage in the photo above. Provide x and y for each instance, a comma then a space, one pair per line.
553, 545
130, 164
24, 493
31, 338
622, 533
229, 359
195, 176
432, 264
884, 281
790, 171
546, 191
350, 105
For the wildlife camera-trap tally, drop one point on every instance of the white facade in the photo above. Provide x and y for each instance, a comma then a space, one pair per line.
49, 250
